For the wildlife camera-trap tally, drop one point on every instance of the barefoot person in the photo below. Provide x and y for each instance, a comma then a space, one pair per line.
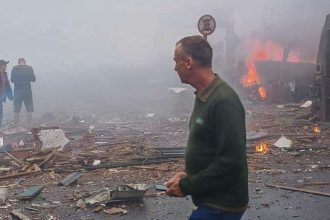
22, 75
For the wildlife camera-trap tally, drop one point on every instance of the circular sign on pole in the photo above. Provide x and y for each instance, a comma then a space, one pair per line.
206, 25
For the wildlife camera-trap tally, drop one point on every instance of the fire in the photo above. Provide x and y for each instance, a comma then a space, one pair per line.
266, 51
262, 148
262, 92
316, 130
293, 57
251, 78
263, 51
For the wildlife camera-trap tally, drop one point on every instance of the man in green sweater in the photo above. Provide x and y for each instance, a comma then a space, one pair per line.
216, 174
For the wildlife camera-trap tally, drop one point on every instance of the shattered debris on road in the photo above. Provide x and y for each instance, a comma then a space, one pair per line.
103, 170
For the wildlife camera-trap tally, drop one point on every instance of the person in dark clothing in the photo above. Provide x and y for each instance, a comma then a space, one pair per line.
5, 88
22, 75
216, 173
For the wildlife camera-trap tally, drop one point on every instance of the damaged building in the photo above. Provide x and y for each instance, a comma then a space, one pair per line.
321, 104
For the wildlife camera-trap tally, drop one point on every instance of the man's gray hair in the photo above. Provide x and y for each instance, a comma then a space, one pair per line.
198, 49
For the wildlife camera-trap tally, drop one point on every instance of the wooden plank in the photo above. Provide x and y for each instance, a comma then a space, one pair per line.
315, 184
17, 175
14, 158
3, 195
48, 158
16, 214
299, 190
68, 180
5, 169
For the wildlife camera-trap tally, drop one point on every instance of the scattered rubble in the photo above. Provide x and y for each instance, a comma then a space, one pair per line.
107, 161
113, 211
30, 192
19, 215
47, 138
99, 197
81, 204
306, 104
3, 196
68, 180
129, 192
283, 142
299, 190
160, 187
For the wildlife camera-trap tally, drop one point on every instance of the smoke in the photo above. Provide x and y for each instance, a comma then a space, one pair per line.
291, 24
84, 50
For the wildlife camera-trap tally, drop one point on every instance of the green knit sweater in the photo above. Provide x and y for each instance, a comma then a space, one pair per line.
216, 150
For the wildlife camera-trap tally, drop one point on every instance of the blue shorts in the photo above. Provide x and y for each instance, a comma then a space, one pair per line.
23, 96
208, 213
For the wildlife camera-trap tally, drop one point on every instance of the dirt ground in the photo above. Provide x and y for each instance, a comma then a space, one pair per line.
124, 139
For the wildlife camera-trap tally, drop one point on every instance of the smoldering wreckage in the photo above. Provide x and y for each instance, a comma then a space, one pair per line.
93, 166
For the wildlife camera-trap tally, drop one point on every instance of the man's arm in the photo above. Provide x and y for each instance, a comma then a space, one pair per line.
12, 75
8, 90
231, 155
32, 76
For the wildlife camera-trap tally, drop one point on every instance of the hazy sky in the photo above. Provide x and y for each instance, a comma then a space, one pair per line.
71, 42
74, 34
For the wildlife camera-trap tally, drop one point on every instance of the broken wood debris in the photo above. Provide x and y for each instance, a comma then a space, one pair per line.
5, 169
114, 210
99, 197
20, 163
147, 162
81, 204
3, 195
18, 215
48, 158
316, 184
299, 190
17, 175
31, 209
68, 180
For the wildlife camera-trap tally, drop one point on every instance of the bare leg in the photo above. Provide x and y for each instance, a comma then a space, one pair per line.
16, 122
29, 120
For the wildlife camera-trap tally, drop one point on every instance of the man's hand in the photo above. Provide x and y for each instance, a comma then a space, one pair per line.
173, 188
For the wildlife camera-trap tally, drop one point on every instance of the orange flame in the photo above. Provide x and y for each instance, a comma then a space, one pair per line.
262, 148
316, 130
263, 51
251, 78
293, 57
262, 92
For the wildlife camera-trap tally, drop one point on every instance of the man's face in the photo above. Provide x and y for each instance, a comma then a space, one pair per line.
3, 68
182, 65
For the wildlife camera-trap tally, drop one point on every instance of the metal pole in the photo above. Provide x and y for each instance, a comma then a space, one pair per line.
205, 36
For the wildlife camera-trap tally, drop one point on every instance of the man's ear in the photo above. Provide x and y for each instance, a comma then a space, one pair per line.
189, 62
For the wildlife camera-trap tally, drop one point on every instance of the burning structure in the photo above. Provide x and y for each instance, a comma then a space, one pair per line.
276, 74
